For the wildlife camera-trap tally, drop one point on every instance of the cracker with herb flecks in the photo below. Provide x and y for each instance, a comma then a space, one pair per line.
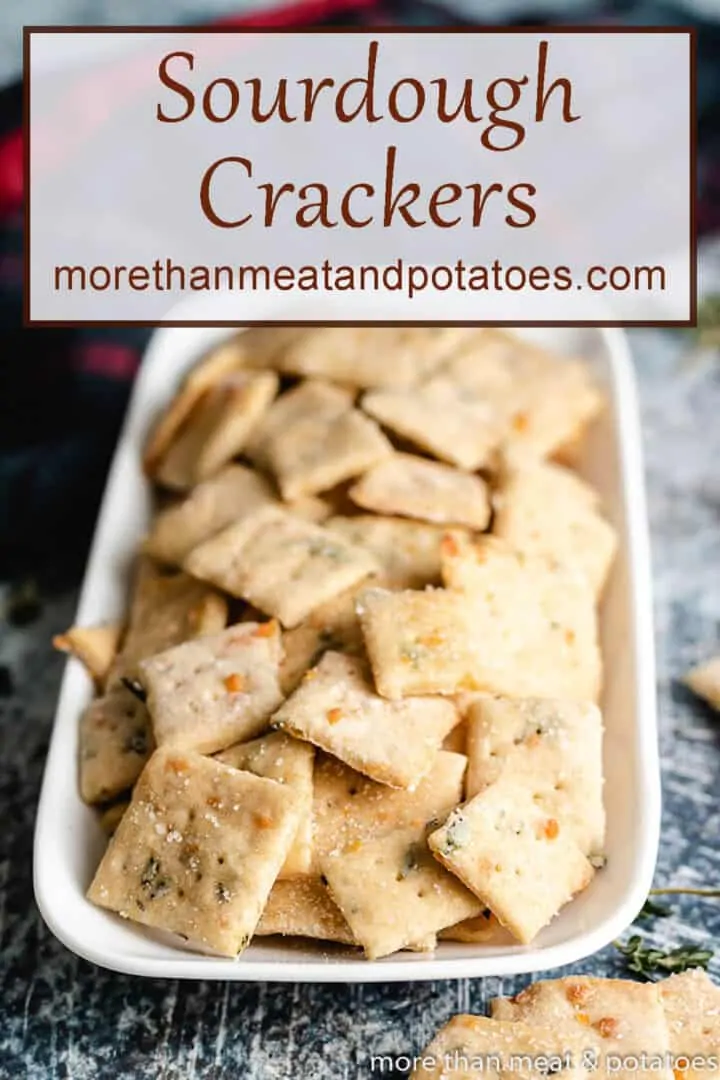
543, 509
392, 892
289, 761
165, 610
471, 1046
419, 642
704, 680
230, 495
198, 850
348, 806
94, 646
523, 864
303, 907
557, 745
313, 439
333, 625
691, 1003
281, 564
115, 742
407, 551
372, 355
207, 694
483, 929
217, 429
615, 1016
414, 487
336, 707
535, 620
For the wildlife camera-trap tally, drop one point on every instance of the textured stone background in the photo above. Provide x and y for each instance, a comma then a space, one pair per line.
60, 1017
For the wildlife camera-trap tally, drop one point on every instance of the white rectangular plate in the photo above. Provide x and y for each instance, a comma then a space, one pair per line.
69, 842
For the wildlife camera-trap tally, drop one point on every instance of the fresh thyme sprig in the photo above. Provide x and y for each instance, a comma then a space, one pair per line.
652, 963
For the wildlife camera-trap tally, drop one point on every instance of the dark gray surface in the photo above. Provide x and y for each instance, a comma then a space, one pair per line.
61, 1017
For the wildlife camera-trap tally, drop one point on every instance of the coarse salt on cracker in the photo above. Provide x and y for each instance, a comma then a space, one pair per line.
198, 850
214, 691
281, 564
303, 907
115, 742
691, 1002
336, 707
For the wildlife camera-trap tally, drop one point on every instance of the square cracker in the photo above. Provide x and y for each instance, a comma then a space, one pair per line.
543, 509
281, 564
535, 621
393, 893
372, 356
230, 495
419, 642
217, 429
615, 1016
471, 1046
313, 439
198, 849
303, 907
414, 487
704, 680
523, 864
336, 708
692, 1012
207, 694
115, 742
557, 745
407, 551
348, 806
333, 625
289, 761
94, 646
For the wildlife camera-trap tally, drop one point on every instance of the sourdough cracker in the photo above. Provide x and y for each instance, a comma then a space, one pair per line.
523, 864
483, 929
556, 745
289, 761
392, 892
336, 708
281, 564
198, 850
535, 619
414, 487
334, 625
691, 1003
543, 509
115, 741
704, 680
230, 495
407, 551
94, 646
207, 694
303, 907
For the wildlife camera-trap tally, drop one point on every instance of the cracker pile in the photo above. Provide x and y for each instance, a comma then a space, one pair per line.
356, 695
586, 1027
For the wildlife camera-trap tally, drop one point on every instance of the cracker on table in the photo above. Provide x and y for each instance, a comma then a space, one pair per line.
336, 707
691, 1002
367, 356
616, 1017
209, 693
303, 907
471, 1046
115, 741
217, 429
289, 761
94, 646
333, 625
535, 620
544, 509
392, 892
348, 806
281, 564
313, 439
231, 494
414, 487
407, 551
198, 850
522, 863
704, 680
419, 642
557, 745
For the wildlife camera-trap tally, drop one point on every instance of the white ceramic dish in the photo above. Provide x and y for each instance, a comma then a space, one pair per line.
68, 840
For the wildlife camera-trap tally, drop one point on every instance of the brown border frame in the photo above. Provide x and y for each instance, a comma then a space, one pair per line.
690, 31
